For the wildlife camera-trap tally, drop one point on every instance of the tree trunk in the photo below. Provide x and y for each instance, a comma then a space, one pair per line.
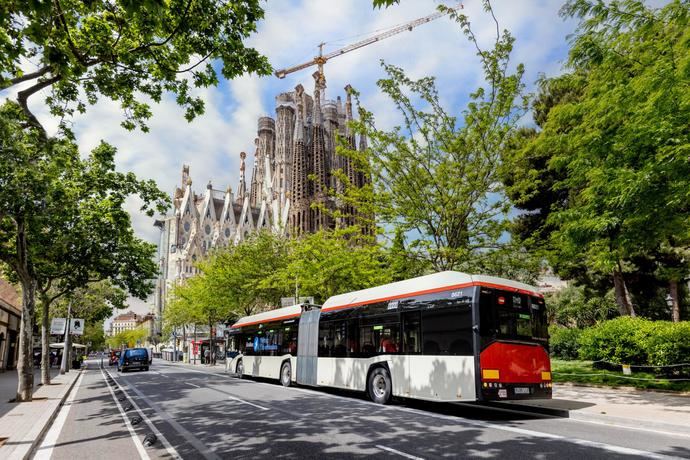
675, 301
621, 291
25, 361
45, 344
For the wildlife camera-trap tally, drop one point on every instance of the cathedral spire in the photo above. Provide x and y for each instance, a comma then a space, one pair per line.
242, 188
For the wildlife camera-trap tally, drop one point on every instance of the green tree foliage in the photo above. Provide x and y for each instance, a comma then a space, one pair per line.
579, 306
63, 222
613, 146
130, 338
436, 178
128, 51
327, 263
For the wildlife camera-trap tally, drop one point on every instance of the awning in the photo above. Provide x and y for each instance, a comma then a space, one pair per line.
62, 345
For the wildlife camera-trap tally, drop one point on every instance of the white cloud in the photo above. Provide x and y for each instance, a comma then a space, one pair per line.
289, 35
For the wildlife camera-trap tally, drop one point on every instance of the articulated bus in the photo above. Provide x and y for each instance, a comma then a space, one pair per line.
448, 336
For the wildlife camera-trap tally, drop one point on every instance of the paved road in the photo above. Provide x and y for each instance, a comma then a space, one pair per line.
202, 413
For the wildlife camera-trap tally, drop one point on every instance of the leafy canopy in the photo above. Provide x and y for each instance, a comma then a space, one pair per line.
123, 49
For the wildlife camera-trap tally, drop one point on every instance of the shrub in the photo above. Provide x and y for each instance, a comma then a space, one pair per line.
564, 342
622, 340
669, 344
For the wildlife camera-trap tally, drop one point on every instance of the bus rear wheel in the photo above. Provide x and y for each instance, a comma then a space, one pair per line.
380, 385
286, 374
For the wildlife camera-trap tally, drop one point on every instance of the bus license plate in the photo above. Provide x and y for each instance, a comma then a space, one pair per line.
521, 391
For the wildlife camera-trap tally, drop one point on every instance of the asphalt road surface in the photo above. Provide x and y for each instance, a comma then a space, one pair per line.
203, 413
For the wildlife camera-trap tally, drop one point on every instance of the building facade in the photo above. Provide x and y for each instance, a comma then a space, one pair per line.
10, 316
289, 192
125, 322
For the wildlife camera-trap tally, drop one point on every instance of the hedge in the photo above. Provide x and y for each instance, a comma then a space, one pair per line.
636, 341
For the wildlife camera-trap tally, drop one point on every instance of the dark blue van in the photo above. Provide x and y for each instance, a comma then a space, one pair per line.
133, 358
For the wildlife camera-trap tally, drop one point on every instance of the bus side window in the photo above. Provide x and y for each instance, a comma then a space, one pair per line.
447, 331
411, 332
353, 337
339, 340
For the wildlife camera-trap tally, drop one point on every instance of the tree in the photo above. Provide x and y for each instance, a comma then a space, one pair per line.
327, 263
124, 50
436, 179
618, 144
63, 223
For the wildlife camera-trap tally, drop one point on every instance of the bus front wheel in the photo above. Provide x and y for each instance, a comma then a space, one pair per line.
380, 385
286, 374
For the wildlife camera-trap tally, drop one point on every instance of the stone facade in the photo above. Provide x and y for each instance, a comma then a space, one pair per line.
295, 154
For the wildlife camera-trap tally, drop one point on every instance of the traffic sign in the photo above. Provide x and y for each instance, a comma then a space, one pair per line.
76, 326
57, 326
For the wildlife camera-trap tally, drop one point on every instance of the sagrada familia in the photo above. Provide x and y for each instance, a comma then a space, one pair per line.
295, 156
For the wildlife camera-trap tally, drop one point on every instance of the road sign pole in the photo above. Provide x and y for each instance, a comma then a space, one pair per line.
66, 343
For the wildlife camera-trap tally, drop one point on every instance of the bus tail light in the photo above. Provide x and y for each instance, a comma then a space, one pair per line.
490, 374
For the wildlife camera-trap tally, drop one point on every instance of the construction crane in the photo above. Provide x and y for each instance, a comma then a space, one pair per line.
321, 59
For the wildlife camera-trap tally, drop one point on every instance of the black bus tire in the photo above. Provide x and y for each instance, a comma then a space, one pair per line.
380, 385
286, 374
239, 369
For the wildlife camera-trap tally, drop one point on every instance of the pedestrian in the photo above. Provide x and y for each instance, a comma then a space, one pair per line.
207, 356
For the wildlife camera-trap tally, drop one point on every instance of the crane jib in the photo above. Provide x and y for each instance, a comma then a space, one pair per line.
322, 58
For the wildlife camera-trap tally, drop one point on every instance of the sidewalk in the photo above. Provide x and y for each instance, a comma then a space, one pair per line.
8, 386
625, 407
23, 424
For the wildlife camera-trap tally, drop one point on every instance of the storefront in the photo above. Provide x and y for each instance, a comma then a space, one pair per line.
10, 316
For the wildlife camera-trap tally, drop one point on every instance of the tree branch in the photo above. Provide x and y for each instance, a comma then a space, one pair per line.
26, 77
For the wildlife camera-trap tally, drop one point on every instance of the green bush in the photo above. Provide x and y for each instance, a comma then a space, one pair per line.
622, 340
670, 343
564, 342
637, 341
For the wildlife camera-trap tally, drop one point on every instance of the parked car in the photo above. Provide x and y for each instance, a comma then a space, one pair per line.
133, 358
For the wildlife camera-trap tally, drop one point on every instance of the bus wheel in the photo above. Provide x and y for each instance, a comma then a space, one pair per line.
239, 370
380, 386
286, 374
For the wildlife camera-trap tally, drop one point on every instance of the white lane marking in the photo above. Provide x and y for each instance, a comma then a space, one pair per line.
140, 447
192, 385
162, 416
465, 421
50, 440
247, 402
402, 454
168, 447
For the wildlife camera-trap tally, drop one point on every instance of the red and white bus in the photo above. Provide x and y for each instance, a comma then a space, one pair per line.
444, 337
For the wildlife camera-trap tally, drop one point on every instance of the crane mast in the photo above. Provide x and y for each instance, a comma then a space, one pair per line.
321, 59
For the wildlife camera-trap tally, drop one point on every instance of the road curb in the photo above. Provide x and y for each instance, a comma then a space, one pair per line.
646, 425
36, 442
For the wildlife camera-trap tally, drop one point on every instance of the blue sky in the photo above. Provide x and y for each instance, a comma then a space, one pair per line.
289, 35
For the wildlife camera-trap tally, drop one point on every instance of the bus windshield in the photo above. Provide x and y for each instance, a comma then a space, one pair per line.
510, 315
